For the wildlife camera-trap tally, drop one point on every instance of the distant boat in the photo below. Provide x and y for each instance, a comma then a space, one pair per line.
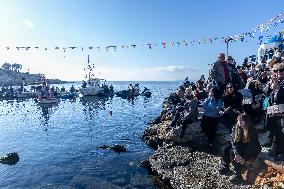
23, 93
46, 97
92, 87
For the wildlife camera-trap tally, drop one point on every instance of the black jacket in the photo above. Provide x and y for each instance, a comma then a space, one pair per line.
234, 101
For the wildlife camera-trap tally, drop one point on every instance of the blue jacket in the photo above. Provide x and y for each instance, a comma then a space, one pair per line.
212, 107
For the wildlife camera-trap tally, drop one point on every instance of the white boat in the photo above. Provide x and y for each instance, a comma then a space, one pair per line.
93, 86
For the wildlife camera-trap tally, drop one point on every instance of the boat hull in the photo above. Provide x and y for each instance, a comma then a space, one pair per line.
25, 95
92, 91
48, 101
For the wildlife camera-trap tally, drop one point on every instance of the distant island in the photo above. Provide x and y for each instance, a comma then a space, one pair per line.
11, 75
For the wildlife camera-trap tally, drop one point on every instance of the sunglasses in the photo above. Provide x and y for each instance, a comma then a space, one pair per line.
229, 87
280, 70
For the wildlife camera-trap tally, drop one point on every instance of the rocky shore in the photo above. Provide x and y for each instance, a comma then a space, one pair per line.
12, 78
187, 163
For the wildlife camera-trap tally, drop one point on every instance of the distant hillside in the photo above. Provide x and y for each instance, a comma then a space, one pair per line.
8, 77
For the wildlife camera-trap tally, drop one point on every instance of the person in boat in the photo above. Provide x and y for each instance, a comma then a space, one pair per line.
57, 90
130, 87
106, 89
84, 84
11, 91
111, 89
136, 89
52, 89
145, 90
62, 89
72, 89
243, 147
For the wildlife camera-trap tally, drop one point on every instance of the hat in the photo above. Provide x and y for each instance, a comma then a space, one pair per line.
230, 58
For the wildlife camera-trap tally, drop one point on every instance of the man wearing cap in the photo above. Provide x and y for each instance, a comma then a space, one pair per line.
275, 112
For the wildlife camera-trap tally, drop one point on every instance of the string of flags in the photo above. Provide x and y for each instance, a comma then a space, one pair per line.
259, 32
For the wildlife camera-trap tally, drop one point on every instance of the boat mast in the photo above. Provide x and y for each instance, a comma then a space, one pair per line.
89, 68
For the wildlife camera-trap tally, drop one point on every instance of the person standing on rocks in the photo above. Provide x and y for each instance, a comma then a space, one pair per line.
243, 147
210, 119
220, 72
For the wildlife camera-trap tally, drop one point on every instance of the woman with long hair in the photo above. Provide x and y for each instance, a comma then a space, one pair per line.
232, 106
243, 147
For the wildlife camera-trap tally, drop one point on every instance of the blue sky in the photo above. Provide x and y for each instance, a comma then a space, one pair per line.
64, 23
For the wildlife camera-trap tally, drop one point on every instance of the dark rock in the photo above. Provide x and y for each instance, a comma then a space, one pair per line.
145, 164
118, 148
10, 159
104, 147
153, 142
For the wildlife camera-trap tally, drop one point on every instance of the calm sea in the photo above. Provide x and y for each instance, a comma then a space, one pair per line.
58, 145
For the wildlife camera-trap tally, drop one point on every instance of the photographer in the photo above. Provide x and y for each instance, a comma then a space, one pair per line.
275, 112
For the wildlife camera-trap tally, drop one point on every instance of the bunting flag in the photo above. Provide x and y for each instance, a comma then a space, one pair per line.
259, 33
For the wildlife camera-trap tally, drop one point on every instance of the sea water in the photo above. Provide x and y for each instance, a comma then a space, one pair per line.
57, 145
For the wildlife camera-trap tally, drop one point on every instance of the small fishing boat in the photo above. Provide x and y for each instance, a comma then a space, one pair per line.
24, 94
92, 87
46, 96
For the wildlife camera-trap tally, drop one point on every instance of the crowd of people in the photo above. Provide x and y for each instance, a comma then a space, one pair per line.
236, 97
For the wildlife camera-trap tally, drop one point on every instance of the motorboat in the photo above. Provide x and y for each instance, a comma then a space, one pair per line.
24, 94
93, 86
45, 95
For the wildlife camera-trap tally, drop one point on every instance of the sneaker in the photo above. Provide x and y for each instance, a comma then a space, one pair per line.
224, 170
236, 179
